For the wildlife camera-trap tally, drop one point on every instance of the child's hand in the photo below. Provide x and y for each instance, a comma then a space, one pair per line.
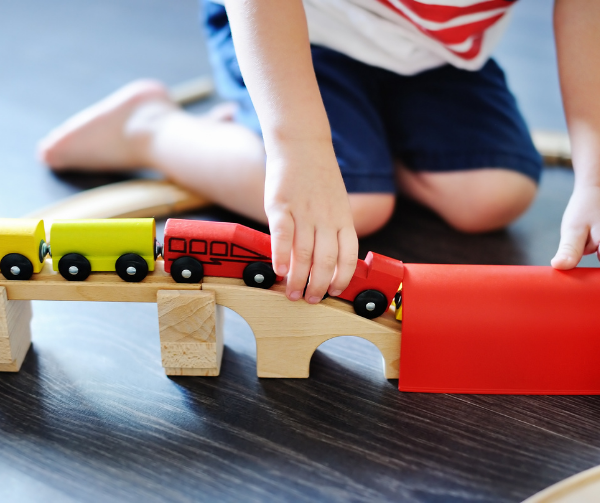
580, 229
312, 231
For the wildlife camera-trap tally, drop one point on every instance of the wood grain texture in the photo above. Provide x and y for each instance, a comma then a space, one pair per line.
98, 287
191, 333
15, 332
288, 333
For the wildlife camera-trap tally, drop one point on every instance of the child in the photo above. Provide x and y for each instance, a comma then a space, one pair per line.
391, 95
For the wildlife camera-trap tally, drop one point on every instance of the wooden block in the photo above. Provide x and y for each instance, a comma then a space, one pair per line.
191, 335
100, 287
15, 332
287, 333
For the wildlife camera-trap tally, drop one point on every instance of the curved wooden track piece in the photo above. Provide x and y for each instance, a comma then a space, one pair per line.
583, 487
130, 199
288, 333
192, 90
554, 147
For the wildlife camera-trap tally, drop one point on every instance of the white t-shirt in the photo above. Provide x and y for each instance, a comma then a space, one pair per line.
410, 36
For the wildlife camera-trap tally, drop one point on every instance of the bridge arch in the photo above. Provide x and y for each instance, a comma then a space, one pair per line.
288, 333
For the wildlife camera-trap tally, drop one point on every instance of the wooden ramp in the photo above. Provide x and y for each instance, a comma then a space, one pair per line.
190, 320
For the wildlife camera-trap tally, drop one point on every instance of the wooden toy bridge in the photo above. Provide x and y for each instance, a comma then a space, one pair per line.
191, 323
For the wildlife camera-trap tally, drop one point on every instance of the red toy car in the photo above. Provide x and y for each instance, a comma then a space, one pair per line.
195, 248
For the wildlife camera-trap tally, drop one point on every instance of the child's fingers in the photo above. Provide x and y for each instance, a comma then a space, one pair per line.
302, 256
570, 249
346, 263
324, 262
281, 225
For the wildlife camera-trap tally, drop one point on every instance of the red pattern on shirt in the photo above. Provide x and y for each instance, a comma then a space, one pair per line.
456, 34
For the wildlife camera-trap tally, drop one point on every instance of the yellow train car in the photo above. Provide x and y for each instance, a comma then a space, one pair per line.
22, 247
125, 245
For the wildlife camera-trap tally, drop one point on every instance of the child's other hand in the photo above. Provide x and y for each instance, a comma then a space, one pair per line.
312, 231
580, 229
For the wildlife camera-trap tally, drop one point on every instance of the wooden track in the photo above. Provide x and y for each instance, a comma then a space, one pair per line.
99, 287
130, 199
583, 487
287, 333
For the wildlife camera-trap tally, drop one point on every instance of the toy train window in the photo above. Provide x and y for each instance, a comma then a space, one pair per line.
241, 252
177, 245
218, 248
198, 246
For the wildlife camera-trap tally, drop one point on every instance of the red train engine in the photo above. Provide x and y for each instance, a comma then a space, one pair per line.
195, 248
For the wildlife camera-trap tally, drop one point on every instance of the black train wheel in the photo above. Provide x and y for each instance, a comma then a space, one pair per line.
131, 267
16, 266
187, 270
259, 275
370, 304
74, 267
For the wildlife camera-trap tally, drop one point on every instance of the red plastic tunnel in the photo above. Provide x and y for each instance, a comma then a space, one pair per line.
500, 329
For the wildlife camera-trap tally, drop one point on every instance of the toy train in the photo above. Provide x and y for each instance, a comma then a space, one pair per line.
192, 249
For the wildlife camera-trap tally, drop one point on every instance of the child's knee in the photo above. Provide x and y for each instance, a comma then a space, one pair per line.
371, 211
472, 201
491, 203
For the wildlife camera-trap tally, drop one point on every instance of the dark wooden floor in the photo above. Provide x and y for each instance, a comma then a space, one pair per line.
91, 416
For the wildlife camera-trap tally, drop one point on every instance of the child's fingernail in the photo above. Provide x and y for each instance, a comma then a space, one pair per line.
281, 270
295, 295
335, 293
314, 300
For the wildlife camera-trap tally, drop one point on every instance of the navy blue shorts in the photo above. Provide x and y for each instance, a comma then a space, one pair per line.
443, 119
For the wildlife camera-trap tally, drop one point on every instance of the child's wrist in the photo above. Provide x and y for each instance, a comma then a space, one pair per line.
299, 147
589, 177
293, 139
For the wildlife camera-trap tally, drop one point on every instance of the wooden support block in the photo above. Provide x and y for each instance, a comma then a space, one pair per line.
191, 335
287, 333
15, 332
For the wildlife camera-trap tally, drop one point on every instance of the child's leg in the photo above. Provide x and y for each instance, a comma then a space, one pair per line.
471, 201
465, 149
138, 126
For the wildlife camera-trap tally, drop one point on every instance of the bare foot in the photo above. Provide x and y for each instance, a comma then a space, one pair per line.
110, 135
